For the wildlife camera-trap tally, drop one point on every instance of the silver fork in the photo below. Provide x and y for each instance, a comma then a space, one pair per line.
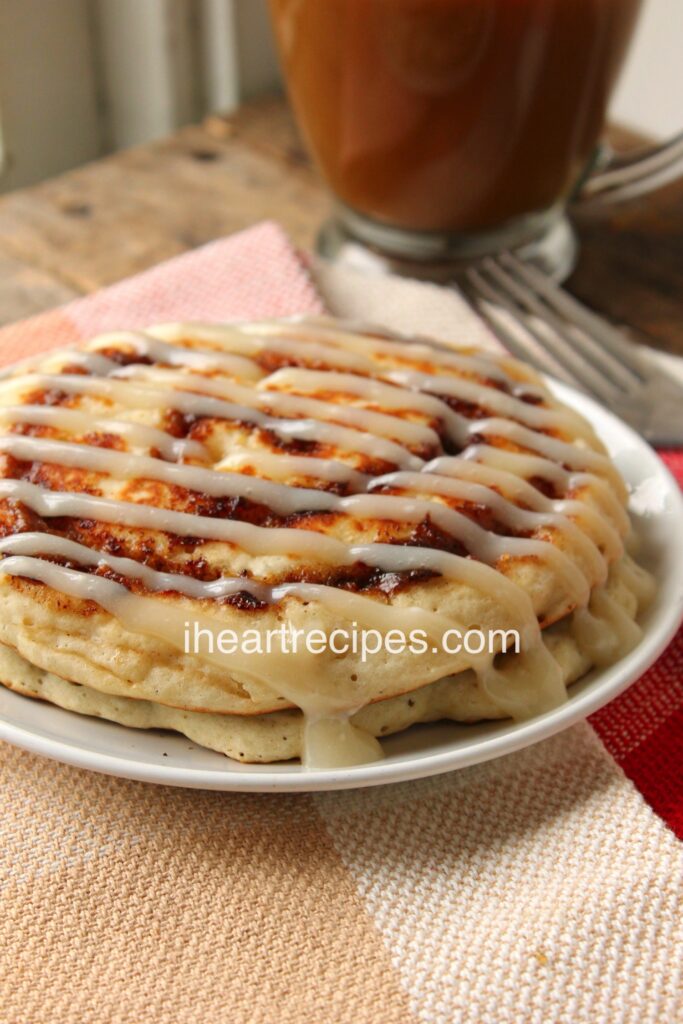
540, 322
632, 174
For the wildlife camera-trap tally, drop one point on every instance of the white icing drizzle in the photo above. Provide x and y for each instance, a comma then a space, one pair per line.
511, 515
281, 498
485, 546
90, 361
314, 547
166, 621
492, 398
72, 421
373, 392
294, 679
603, 630
236, 339
519, 492
397, 409
495, 401
33, 543
404, 431
346, 604
355, 338
639, 582
528, 466
529, 684
280, 466
551, 448
149, 347
146, 396
525, 464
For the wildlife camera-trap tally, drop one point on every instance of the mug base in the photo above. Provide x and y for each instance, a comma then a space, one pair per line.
548, 241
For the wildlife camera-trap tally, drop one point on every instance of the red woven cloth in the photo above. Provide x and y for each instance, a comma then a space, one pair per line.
643, 728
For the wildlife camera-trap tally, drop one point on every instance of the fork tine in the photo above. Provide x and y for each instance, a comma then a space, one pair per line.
510, 331
525, 349
546, 304
598, 199
636, 168
537, 344
533, 330
551, 332
606, 342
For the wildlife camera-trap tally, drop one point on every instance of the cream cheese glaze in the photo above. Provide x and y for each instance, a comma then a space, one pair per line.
395, 411
206, 405
479, 542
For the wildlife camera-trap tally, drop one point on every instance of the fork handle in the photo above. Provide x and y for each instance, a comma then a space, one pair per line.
617, 177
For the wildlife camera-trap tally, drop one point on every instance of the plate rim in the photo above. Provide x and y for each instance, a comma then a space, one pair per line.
610, 682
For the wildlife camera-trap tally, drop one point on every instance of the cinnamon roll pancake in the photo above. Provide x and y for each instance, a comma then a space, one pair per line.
291, 478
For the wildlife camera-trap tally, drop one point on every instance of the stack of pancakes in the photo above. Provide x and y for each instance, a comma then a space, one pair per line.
308, 474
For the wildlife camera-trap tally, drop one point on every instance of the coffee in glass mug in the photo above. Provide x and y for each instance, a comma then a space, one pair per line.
451, 126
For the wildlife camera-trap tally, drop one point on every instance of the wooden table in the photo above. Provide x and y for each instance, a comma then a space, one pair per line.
112, 218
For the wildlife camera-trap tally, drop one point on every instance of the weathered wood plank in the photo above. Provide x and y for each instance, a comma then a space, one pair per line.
25, 291
113, 218
631, 266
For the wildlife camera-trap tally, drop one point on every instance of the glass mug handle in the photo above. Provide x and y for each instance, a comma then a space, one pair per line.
616, 178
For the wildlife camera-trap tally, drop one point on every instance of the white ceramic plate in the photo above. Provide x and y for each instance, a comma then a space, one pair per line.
423, 750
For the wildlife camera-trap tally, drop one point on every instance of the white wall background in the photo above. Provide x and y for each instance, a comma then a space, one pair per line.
82, 77
650, 94
49, 114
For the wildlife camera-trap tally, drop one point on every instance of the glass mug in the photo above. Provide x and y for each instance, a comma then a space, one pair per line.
448, 129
